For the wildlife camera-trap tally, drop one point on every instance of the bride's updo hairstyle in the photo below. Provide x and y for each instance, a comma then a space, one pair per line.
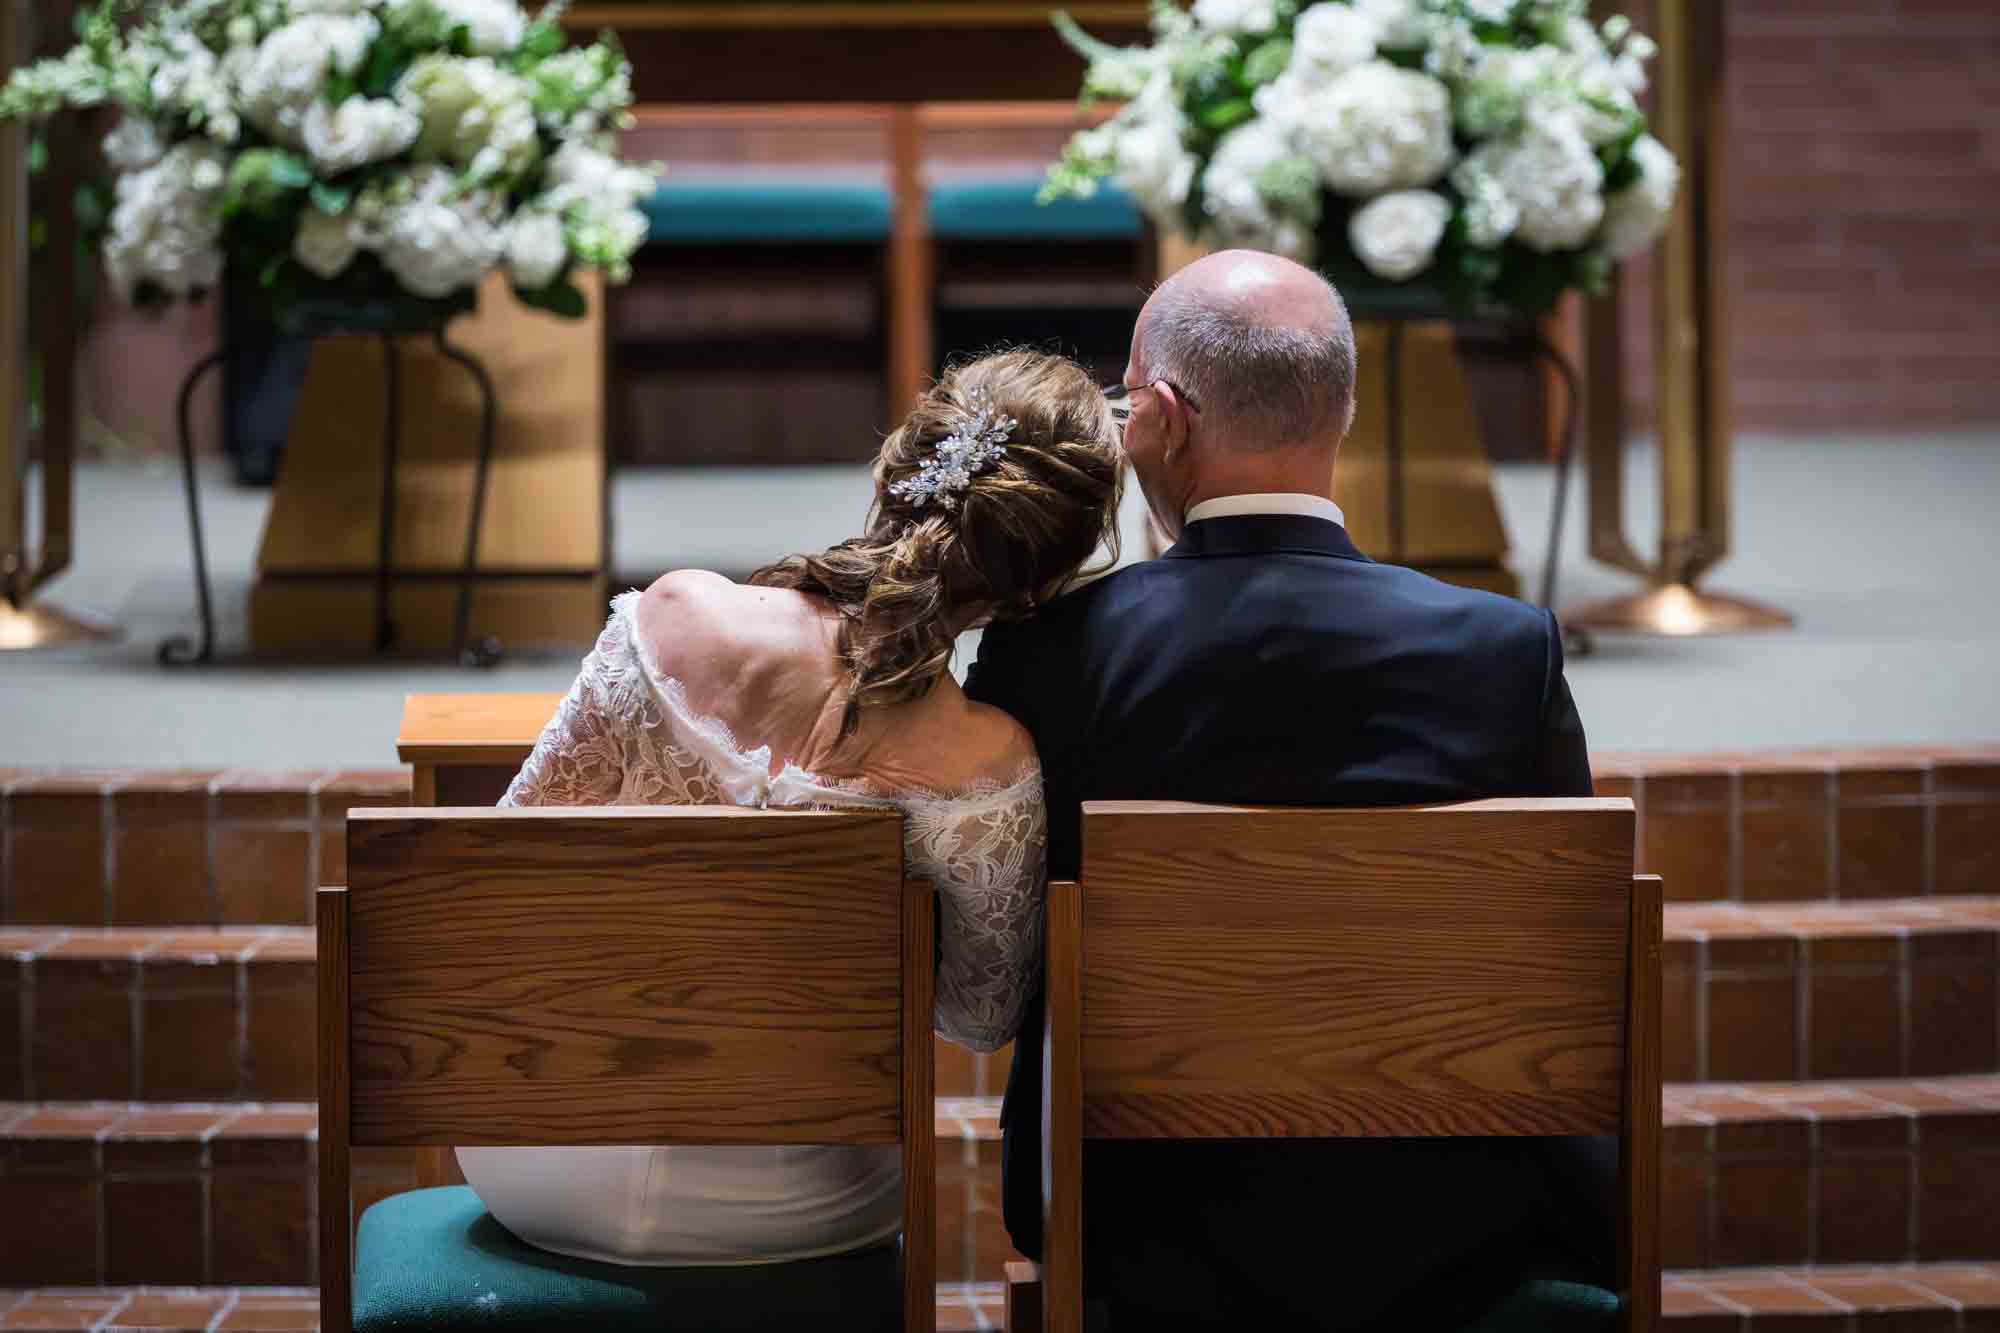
1018, 533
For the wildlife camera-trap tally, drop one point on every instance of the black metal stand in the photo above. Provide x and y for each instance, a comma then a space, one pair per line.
180, 651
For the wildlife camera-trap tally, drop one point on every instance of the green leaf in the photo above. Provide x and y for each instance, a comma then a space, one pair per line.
331, 199
541, 41
1226, 115
38, 155
1267, 62
558, 298
340, 87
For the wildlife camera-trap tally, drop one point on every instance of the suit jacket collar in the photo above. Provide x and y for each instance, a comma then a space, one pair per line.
1260, 534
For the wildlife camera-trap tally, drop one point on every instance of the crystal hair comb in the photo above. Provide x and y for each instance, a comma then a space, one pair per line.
959, 456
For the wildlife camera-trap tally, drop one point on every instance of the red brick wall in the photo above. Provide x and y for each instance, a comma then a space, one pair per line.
1863, 193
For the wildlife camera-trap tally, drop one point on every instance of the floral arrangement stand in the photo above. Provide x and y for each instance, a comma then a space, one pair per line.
385, 324
361, 166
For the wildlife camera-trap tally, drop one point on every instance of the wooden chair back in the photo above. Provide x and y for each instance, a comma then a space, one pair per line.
653, 975
1480, 969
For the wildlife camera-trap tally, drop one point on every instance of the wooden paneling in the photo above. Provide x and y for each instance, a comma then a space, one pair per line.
1435, 971
1639, 1252
1062, 1143
919, 1129
715, 975
336, 1217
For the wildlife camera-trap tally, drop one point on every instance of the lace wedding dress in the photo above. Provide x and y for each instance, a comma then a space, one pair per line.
625, 735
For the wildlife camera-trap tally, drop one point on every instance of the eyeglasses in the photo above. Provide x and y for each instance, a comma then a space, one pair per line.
1118, 394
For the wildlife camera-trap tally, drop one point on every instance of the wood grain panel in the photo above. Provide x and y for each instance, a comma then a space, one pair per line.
716, 975
1063, 1116
1639, 1146
1433, 971
919, 1131
336, 1214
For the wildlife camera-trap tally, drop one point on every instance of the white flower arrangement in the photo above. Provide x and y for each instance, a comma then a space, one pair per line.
373, 152
1491, 150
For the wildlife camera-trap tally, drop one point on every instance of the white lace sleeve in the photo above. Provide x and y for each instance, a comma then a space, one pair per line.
580, 758
988, 857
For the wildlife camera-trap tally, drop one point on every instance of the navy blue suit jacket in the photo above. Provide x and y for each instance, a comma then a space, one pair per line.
1265, 660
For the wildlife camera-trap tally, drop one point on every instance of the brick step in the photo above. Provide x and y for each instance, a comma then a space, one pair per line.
1881, 1171
157, 1015
109, 1192
1883, 988
177, 847
1865, 1299
1882, 1299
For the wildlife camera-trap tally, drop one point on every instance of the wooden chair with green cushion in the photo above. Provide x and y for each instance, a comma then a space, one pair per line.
1201, 984
665, 975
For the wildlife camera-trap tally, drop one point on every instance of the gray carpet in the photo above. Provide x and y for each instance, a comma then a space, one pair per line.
1885, 549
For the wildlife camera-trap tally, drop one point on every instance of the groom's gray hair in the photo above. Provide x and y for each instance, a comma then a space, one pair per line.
1261, 382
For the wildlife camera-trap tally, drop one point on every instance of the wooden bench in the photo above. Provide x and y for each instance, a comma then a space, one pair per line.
656, 975
1197, 978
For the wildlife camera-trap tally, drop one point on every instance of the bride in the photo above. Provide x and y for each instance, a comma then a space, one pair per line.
825, 682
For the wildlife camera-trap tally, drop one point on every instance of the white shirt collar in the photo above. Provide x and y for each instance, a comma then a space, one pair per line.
1236, 506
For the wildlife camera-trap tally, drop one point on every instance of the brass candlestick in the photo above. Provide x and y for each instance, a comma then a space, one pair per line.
1692, 376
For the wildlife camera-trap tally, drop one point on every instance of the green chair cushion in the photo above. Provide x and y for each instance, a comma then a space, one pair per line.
773, 212
1548, 1306
1005, 210
436, 1260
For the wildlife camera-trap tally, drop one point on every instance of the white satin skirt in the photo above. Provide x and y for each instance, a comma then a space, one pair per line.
691, 1207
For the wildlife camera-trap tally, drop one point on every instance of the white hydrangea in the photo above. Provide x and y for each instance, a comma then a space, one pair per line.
187, 77
1152, 164
134, 144
1232, 187
536, 250
1377, 128
1496, 88
494, 27
1396, 235
325, 244
1490, 212
1637, 214
1331, 39
358, 131
1548, 169
474, 113
606, 236
1491, 11
166, 228
288, 72
1236, 15
576, 174
1399, 24
438, 241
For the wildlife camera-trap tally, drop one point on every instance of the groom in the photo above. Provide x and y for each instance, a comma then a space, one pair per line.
1265, 660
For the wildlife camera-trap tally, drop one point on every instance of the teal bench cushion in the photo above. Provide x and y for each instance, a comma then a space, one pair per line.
774, 212
436, 1260
1547, 1306
1005, 210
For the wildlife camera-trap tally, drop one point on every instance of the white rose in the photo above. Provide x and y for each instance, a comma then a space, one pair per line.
288, 73
495, 27
1397, 235
1399, 24
134, 144
326, 244
536, 250
1330, 39
1637, 214
358, 131
1548, 169
1377, 128
474, 114
166, 228
1236, 15
435, 244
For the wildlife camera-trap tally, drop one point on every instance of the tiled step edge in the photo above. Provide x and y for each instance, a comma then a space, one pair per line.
1885, 988
1880, 1171
1862, 1298
171, 1014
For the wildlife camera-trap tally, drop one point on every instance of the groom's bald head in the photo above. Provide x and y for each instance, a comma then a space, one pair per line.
1261, 345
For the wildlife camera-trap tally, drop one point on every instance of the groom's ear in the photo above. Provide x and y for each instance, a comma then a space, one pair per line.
1173, 418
